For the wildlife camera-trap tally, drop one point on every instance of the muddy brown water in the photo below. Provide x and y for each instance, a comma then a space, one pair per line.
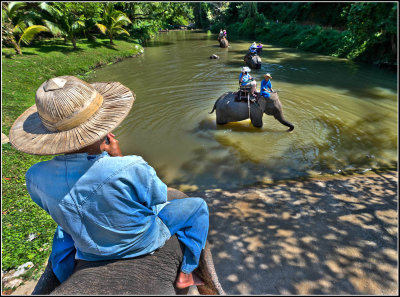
345, 114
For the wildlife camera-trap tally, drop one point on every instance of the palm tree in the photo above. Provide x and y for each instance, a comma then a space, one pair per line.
112, 22
13, 23
62, 22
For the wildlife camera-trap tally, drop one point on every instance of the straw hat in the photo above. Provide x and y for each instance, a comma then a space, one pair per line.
268, 75
70, 114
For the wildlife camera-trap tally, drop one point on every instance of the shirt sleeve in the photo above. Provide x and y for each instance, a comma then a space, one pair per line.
32, 189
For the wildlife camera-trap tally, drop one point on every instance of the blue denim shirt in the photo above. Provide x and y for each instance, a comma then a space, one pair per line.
108, 205
266, 87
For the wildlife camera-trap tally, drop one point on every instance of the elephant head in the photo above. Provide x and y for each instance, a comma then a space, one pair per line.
223, 42
252, 60
230, 110
152, 274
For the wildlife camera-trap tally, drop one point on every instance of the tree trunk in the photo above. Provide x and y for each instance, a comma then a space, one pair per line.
111, 39
16, 46
73, 42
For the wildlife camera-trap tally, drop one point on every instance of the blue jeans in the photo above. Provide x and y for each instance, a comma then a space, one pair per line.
265, 94
188, 219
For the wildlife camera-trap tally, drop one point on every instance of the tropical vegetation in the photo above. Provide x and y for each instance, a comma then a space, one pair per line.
85, 35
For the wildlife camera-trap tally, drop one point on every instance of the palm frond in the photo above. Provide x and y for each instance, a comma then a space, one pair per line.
102, 28
19, 28
53, 27
30, 32
13, 7
55, 13
123, 31
122, 19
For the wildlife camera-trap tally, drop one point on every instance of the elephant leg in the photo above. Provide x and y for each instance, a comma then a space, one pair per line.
279, 116
257, 122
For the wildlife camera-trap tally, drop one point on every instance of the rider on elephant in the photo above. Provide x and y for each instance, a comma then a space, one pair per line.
253, 48
259, 48
266, 86
107, 206
246, 79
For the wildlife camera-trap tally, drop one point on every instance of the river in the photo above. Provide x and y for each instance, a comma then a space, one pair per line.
345, 114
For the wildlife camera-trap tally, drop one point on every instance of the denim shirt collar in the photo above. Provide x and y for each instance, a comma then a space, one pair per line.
81, 156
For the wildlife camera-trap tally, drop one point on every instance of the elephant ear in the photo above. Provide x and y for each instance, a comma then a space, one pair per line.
206, 271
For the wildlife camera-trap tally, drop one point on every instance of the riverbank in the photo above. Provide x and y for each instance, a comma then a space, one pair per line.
319, 236
27, 231
327, 235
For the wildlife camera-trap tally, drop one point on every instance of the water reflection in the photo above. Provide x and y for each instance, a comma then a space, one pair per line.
342, 111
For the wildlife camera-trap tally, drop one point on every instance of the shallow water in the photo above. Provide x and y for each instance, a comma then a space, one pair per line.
345, 114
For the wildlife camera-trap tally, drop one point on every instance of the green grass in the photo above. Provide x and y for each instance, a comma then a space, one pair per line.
21, 76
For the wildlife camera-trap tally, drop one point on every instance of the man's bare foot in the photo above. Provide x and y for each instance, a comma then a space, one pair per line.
186, 280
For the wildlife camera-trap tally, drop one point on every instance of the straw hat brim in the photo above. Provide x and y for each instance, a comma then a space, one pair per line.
29, 135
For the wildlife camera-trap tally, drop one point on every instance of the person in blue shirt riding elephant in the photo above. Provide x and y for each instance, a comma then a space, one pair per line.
246, 79
266, 86
106, 205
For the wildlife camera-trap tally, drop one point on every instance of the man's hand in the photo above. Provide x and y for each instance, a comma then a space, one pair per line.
113, 148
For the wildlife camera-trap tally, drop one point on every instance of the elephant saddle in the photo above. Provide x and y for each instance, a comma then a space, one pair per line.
244, 94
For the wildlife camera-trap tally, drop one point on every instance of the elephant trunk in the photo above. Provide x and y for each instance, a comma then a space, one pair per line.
282, 120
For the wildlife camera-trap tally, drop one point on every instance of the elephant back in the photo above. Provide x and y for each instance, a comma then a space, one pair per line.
152, 274
223, 42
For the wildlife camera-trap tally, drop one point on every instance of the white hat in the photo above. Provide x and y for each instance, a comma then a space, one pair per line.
246, 69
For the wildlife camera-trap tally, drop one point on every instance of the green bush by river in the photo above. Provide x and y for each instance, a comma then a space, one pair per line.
27, 230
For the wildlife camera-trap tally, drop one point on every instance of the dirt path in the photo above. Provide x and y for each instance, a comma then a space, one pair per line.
321, 236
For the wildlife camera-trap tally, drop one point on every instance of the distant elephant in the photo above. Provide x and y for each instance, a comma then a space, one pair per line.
151, 274
252, 60
230, 110
223, 42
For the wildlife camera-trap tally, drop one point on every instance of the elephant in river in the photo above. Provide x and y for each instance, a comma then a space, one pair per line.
252, 60
151, 274
230, 110
223, 42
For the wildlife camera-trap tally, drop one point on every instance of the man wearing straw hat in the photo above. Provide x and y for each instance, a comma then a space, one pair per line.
106, 205
266, 86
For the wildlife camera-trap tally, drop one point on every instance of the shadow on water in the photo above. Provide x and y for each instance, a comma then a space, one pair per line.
332, 68
354, 147
157, 43
306, 237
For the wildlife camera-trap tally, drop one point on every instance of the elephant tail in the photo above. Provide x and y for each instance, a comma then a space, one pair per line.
215, 105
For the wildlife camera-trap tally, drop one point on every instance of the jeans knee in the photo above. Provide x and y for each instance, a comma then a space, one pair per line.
202, 204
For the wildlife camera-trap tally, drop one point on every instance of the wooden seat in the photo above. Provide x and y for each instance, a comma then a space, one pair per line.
244, 93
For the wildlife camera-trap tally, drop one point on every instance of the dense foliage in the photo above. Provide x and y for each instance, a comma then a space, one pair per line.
364, 31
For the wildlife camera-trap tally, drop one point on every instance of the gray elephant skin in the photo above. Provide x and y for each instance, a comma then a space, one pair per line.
223, 42
252, 60
152, 274
229, 110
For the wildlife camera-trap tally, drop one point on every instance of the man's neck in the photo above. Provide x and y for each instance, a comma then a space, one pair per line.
93, 149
